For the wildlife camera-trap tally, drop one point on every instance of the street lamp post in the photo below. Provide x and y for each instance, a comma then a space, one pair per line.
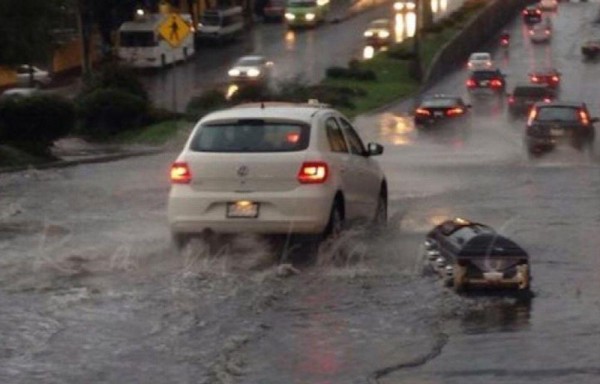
416, 70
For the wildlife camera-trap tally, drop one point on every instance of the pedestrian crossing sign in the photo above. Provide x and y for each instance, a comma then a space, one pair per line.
174, 29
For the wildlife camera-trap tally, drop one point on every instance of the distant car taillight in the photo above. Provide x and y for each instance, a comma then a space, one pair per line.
180, 173
585, 120
532, 114
535, 79
454, 111
496, 83
422, 111
511, 99
313, 172
471, 83
547, 100
555, 79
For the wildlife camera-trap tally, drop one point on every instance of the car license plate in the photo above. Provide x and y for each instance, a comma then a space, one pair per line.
493, 276
484, 83
242, 209
557, 132
438, 114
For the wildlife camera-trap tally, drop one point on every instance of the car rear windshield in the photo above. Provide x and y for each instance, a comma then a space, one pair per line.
440, 103
531, 92
557, 114
485, 75
251, 136
302, 4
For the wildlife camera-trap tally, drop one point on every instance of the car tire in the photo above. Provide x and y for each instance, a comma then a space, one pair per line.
179, 240
335, 225
381, 211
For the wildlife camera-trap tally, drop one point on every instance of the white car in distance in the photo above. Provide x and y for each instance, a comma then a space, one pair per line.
480, 60
275, 169
255, 69
540, 33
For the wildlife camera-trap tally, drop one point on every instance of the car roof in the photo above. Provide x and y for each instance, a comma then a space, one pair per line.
380, 21
440, 96
268, 110
563, 103
480, 54
545, 70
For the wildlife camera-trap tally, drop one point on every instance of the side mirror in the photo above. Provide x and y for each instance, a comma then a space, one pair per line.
374, 149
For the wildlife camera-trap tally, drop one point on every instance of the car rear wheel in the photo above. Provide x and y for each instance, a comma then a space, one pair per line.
336, 221
381, 212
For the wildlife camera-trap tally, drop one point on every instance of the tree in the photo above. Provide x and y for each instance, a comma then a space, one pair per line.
426, 14
24, 26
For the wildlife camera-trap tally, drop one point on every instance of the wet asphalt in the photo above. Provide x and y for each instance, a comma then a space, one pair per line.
91, 291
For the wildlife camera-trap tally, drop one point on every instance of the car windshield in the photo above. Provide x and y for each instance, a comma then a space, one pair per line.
440, 103
250, 61
558, 114
137, 39
302, 4
251, 136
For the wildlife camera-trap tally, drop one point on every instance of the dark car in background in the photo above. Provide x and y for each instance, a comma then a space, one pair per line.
486, 79
531, 15
550, 124
547, 76
524, 96
468, 254
435, 109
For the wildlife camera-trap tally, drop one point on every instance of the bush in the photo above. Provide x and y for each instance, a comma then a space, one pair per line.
113, 76
34, 123
158, 115
352, 72
208, 101
105, 112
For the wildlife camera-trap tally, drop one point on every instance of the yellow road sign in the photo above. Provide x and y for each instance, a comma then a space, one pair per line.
174, 29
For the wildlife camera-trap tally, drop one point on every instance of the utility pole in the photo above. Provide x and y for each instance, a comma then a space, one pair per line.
415, 69
84, 25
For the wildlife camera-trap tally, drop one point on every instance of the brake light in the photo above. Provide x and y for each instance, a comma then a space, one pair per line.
532, 114
313, 172
471, 83
511, 99
496, 83
488, 63
524, 11
583, 117
454, 111
180, 173
556, 79
538, 11
547, 100
547, 31
535, 79
531, 32
422, 111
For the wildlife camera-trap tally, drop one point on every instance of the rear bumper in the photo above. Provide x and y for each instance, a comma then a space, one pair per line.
304, 210
520, 280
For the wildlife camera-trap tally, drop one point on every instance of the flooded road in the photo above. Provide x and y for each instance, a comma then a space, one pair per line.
91, 291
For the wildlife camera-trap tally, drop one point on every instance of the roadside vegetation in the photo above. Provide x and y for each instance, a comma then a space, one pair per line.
114, 107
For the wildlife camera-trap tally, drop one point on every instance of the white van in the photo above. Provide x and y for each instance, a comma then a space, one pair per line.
141, 45
220, 24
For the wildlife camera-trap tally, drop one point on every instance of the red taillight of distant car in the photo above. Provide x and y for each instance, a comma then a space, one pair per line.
524, 11
547, 100
538, 12
535, 79
555, 79
504, 42
180, 173
511, 99
585, 120
454, 111
313, 172
422, 112
496, 83
471, 83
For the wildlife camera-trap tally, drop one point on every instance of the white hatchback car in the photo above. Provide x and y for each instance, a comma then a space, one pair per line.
275, 168
254, 68
480, 60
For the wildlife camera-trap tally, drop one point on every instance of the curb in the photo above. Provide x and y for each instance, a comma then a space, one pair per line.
88, 160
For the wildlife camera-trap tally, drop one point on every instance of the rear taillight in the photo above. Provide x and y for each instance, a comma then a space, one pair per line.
547, 31
180, 173
313, 172
511, 99
585, 120
496, 83
531, 32
538, 11
532, 114
525, 12
470, 83
422, 111
555, 79
547, 100
454, 111
535, 79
